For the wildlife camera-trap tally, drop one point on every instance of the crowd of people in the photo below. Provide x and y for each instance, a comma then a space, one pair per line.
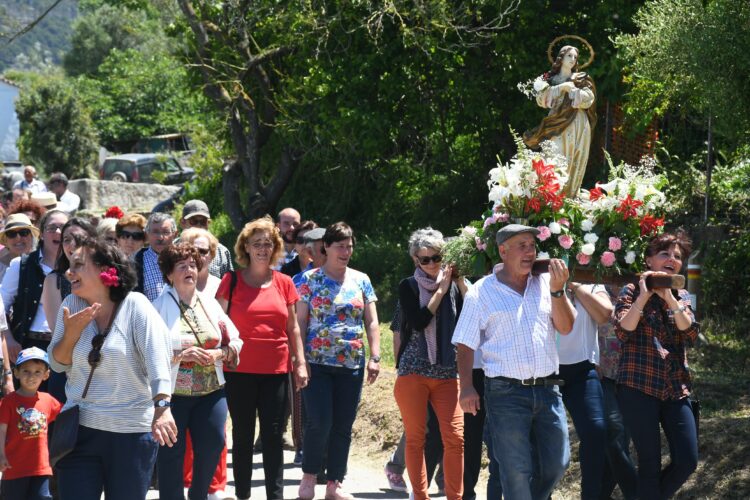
144, 326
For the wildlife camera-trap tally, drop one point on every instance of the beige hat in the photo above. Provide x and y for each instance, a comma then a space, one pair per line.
47, 200
18, 221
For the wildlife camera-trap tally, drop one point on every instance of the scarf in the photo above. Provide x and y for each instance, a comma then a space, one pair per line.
427, 287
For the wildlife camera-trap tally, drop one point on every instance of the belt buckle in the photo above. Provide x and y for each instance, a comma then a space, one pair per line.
531, 383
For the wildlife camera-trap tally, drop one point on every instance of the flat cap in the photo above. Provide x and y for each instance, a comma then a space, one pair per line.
195, 207
511, 230
315, 234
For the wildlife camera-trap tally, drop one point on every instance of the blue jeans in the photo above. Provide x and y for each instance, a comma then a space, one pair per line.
205, 418
26, 488
331, 399
584, 399
475, 432
494, 488
529, 434
620, 468
118, 464
643, 414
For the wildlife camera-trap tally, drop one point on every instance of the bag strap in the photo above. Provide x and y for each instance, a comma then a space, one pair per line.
232, 285
182, 314
104, 334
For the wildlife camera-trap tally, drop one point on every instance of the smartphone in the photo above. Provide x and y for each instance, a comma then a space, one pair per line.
673, 281
540, 266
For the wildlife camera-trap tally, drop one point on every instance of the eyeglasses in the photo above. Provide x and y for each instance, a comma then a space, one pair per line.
261, 246
437, 258
95, 355
53, 228
203, 251
197, 222
23, 233
138, 236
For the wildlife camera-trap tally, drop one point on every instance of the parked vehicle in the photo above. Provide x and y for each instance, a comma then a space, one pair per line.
12, 172
148, 168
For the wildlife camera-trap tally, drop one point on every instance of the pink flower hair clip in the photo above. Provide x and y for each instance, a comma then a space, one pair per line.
109, 277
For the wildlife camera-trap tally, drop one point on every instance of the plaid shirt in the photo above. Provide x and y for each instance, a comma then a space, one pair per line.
222, 263
153, 281
654, 358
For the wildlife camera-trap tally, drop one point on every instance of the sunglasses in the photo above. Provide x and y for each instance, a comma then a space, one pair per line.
21, 232
426, 260
95, 355
133, 236
203, 251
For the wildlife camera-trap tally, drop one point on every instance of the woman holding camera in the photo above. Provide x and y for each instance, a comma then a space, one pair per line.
655, 326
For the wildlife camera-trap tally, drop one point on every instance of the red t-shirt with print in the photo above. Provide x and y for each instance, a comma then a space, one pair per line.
27, 419
261, 314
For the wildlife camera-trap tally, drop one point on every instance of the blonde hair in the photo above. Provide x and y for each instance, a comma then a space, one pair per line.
105, 226
131, 220
193, 233
261, 225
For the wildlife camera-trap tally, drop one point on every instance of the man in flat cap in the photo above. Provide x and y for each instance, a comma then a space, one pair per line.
512, 315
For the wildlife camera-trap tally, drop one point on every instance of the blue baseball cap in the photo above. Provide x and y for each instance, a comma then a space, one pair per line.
32, 353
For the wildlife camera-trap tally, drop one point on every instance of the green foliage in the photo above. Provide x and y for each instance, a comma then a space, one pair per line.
689, 56
107, 28
56, 133
726, 277
134, 95
685, 187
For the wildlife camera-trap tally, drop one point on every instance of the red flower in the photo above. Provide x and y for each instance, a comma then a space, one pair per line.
109, 277
650, 224
114, 212
316, 302
534, 204
628, 207
356, 344
316, 342
595, 193
304, 289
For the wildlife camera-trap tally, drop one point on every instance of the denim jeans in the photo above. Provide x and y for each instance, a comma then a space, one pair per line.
494, 488
529, 434
266, 395
643, 414
620, 469
118, 464
584, 399
205, 418
331, 399
26, 488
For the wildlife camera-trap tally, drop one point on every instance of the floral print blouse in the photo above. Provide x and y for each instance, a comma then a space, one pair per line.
335, 328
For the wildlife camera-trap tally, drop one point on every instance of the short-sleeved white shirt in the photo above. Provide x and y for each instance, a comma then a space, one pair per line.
581, 344
514, 331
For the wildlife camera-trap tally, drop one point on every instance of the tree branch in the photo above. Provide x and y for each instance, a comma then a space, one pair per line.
33, 23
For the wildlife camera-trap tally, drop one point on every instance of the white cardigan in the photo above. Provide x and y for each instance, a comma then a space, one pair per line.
170, 313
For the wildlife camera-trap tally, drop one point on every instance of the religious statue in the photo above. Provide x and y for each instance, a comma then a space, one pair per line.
569, 94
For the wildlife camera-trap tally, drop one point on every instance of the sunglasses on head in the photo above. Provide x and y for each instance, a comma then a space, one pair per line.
21, 232
140, 236
426, 260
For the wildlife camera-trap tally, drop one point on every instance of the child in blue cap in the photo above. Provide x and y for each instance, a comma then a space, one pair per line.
24, 417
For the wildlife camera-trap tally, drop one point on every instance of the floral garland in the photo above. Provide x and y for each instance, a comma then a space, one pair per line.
605, 229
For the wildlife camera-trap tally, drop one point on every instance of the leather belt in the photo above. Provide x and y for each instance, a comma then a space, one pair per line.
529, 382
43, 336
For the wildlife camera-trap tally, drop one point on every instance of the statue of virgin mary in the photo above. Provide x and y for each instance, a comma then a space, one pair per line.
569, 95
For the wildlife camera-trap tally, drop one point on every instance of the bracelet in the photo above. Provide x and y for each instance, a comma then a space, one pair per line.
679, 309
7, 372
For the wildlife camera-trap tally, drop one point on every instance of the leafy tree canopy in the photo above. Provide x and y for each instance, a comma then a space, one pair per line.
691, 56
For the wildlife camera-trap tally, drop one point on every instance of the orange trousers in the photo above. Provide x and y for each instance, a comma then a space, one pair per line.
412, 393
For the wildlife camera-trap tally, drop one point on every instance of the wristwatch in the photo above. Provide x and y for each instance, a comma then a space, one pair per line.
557, 294
375, 359
162, 403
7, 372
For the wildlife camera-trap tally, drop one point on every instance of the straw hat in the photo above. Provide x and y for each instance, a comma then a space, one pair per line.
18, 221
47, 200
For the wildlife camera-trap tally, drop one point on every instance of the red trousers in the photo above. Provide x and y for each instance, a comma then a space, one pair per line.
412, 393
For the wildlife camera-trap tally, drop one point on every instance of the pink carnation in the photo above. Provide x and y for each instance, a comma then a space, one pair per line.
583, 259
489, 221
563, 221
566, 241
502, 217
481, 246
608, 259
544, 233
615, 243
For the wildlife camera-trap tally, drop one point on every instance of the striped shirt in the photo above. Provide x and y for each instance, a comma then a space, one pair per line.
515, 332
135, 367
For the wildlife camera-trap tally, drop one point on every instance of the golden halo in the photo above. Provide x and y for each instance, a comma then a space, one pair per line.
592, 54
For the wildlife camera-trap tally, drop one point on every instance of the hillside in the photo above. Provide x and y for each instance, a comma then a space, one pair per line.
48, 40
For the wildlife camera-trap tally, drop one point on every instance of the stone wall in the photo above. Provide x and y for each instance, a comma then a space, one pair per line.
97, 196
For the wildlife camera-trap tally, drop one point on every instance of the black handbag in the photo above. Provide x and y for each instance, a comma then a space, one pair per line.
65, 433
